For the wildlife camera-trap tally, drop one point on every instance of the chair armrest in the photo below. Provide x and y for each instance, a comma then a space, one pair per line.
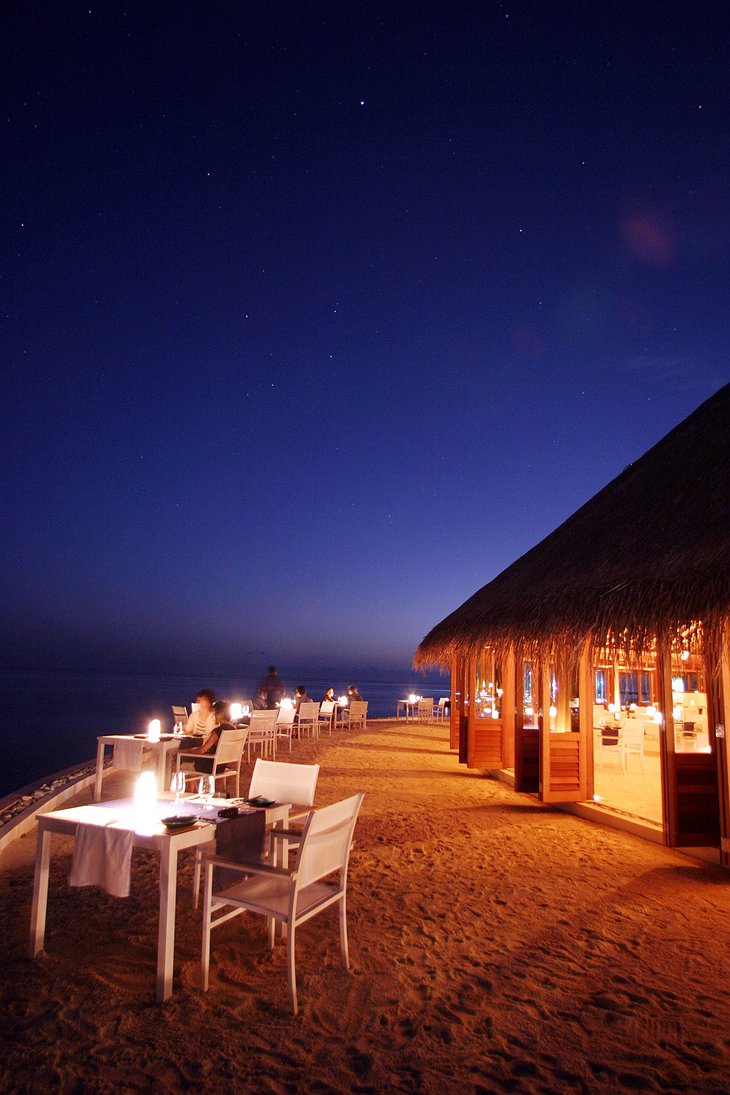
248, 868
286, 834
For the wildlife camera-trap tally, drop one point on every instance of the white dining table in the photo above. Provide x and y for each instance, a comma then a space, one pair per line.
121, 815
162, 750
408, 706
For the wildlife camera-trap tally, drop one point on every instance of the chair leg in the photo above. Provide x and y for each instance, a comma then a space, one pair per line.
205, 951
196, 879
291, 968
344, 950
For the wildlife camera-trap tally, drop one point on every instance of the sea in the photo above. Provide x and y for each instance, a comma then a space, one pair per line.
50, 718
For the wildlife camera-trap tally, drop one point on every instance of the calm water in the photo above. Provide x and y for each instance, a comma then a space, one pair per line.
51, 719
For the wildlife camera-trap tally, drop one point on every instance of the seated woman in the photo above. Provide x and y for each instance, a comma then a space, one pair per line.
202, 721
222, 721
352, 693
329, 696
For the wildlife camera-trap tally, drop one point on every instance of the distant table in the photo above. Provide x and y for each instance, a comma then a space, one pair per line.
168, 744
408, 708
168, 844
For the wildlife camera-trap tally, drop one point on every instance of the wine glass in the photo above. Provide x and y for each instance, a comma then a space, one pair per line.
177, 786
206, 788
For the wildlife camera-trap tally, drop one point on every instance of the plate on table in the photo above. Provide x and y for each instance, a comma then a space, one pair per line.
180, 821
260, 801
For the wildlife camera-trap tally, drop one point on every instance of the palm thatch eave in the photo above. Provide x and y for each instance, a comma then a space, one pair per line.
649, 553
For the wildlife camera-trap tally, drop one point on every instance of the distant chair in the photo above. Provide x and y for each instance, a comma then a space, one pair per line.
308, 719
610, 744
291, 896
632, 743
424, 710
285, 723
327, 715
440, 711
179, 717
262, 733
226, 758
356, 715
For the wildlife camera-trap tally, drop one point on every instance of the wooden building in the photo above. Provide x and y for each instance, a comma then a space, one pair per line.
617, 623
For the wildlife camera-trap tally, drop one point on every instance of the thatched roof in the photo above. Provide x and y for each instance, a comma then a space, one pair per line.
649, 552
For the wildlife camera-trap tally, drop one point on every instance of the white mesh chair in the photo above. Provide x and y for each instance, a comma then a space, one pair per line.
327, 715
285, 723
356, 715
262, 733
279, 781
179, 716
424, 711
226, 758
632, 743
440, 709
308, 719
289, 895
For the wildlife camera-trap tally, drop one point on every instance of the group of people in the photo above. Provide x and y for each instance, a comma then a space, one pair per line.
211, 717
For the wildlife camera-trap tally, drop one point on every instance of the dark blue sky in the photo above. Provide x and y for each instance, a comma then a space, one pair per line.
317, 316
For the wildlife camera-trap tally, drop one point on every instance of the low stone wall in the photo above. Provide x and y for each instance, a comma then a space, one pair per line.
18, 810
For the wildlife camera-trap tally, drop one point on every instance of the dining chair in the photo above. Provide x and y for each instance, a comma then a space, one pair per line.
308, 719
285, 723
179, 716
424, 710
440, 709
356, 714
291, 896
326, 715
632, 743
280, 781
226, 759
262, 733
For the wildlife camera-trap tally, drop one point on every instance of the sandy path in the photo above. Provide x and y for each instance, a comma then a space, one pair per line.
496, 946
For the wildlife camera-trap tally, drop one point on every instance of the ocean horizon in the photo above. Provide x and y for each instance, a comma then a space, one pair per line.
51, 717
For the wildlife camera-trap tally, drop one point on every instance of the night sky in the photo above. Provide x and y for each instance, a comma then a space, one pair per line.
316, 316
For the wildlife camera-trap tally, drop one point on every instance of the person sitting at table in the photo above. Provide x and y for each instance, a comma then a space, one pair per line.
260, 700
222, 721
202, 721
300, 697
329, 696
352, 693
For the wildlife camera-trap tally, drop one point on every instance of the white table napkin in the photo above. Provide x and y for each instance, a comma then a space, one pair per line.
128, 755
102, 857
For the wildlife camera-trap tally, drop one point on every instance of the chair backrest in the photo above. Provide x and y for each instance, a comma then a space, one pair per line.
230, 745
262, 720
443, 701
425, 707
360, 707
179, 713
326, 707
308, 711
295, 783
326, 841
633, 732
286, 716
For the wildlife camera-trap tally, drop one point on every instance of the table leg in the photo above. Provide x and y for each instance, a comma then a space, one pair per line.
40, 891
99, 770
166, 929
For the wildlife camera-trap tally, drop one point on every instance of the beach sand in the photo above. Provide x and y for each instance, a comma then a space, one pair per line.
496, 946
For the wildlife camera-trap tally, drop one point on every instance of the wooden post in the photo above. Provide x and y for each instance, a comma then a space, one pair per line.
510, 699
585, 719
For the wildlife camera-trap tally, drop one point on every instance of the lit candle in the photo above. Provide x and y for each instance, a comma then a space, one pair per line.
236, 710
153, 730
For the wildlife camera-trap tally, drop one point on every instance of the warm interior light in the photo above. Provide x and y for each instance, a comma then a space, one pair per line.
236, 710
678, 684
613, 708
286, 704
552, 711
529, 711
684, 655
657, 718
153, 730
342, 701
651, 710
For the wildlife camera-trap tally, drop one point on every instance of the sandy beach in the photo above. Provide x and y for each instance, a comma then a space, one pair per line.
496, 946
